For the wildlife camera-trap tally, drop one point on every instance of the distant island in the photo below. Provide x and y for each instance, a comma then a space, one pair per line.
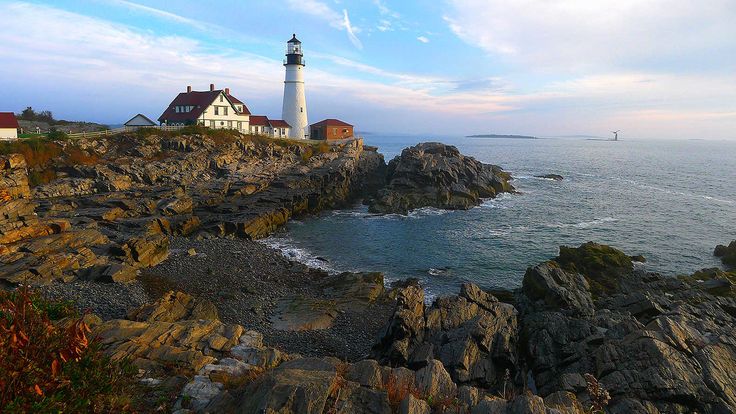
502, 136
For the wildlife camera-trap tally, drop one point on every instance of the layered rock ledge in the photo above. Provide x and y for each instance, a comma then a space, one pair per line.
437, 175
112, 204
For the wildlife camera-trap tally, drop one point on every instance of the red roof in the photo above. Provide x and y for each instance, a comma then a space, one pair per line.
279, 123
259, 120
7, 120
237, 101
331, 122
200, 100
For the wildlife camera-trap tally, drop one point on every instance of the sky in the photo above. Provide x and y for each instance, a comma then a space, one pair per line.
650, 68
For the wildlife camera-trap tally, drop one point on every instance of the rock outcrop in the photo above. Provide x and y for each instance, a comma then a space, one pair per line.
112, 211
655, 344
473, 335
727, 253
437, 175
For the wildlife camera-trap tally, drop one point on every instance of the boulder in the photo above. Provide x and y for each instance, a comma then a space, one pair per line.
190, 344
558, 289
726, 253
175, 306
433, 380
603, 266
437, 175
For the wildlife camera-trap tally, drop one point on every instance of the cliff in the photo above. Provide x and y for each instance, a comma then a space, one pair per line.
112, 204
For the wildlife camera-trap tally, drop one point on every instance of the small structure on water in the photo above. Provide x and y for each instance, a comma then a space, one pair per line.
8, 126
330, 129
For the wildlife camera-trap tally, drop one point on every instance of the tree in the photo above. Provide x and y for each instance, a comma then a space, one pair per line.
28, 114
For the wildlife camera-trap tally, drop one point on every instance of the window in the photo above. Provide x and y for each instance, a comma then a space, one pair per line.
301, 109
240, 125
221, 98
176, 109
229, 124
217, 110
212, 124
222, 123
225, 108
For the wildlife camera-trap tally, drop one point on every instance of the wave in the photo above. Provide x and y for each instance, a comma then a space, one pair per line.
439, 271
286, 247
582, 224
674, 192
427, 212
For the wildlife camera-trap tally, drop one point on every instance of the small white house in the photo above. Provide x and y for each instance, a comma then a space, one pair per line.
139, 121
8, 126
215, 109
261, 125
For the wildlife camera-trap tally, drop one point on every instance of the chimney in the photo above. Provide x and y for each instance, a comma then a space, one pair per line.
212, 86
227, 91
189, 89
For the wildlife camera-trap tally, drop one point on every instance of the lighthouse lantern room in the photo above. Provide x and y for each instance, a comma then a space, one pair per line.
294, 108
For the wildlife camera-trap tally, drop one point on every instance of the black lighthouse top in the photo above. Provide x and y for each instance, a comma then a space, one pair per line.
294, 52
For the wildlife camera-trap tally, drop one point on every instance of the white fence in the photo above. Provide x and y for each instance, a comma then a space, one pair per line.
114, 131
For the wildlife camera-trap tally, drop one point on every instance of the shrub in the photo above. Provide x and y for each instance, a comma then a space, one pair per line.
45, 176
77, 156
50, 365
323, 147
307, 154
397, 390
57, 135
37, 151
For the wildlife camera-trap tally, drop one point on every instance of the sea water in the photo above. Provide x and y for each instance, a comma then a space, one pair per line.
671, 201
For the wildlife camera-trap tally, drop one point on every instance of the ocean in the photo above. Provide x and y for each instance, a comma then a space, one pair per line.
671, 201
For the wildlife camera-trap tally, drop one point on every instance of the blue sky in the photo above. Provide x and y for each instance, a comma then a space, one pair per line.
654, 68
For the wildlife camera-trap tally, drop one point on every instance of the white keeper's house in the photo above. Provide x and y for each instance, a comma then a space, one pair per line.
8, 126
218, 109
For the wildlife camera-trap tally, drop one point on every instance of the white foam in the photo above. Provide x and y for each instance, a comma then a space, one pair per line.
680, 193
286, 247
583, 224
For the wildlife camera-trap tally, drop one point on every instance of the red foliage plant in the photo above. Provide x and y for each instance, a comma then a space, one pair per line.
51, 366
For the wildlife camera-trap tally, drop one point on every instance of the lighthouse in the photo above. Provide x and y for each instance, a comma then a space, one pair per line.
294, 109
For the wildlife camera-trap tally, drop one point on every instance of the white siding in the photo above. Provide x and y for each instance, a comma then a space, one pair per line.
8, 133
294, 109
139, 121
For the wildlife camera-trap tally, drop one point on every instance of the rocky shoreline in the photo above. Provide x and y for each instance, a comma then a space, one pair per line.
154, 235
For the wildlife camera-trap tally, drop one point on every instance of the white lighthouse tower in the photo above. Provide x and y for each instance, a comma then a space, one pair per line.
294, 109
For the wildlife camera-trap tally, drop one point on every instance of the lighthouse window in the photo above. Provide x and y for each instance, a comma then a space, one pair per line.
301, 109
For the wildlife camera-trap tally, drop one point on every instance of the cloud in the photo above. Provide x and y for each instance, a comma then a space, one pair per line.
157, 12
384, 26
384, 10
423, 39
578, 35
351, 31
340, 21
89, 68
